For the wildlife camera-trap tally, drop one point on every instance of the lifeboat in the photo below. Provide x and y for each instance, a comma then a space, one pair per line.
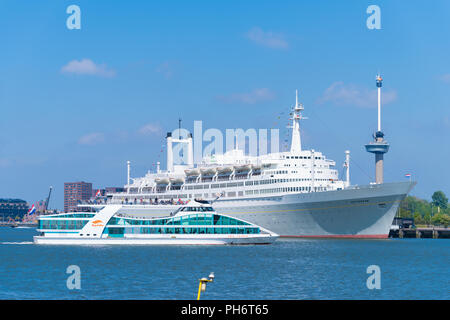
243, 168
192, 172
162, 180
256, 167
177, 180
208, 171
225, 170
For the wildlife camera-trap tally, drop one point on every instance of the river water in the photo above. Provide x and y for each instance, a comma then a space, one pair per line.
287, 269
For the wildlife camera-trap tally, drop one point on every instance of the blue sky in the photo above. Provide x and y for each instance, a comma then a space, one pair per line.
76, 104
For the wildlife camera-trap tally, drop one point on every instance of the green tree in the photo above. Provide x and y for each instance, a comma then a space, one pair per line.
418, 219
441, 219
427, 218
406, 207
415, 207
439, 200
436, 219
446, 211
445, 220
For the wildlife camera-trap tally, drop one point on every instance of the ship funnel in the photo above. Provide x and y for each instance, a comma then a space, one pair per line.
190, 144
189, 162
347, 168
128, 176
169, 152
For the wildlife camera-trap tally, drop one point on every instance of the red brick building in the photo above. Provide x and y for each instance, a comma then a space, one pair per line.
74, 193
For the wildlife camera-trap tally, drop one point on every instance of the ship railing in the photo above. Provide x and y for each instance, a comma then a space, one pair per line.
145, 202
93, 201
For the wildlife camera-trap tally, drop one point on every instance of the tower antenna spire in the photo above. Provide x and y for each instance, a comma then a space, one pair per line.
379, 85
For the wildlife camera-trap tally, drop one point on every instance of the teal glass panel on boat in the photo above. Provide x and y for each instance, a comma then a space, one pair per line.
70, 215
181, 230
115, 232
58, 224
202, 222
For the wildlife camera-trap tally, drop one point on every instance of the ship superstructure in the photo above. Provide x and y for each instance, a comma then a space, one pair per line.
234, 174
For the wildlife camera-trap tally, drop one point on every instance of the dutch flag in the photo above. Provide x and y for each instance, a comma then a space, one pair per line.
408, 175
32, 210
98, 193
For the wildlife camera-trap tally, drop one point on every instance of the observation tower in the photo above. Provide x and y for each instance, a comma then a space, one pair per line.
379, 146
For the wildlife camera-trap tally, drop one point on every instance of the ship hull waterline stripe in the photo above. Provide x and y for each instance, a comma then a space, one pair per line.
341, 236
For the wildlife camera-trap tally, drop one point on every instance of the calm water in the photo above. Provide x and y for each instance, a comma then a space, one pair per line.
288, 269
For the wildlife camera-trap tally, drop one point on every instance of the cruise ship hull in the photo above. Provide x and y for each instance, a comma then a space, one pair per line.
365, 212
356, 212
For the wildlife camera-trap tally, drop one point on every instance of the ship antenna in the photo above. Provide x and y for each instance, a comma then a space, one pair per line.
296, 145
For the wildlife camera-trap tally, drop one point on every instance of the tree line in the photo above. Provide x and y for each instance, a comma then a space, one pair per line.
435, 212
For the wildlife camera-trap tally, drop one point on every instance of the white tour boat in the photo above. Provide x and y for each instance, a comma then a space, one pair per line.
194, 223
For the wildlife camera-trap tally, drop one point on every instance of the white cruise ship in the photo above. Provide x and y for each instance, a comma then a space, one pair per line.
294, 194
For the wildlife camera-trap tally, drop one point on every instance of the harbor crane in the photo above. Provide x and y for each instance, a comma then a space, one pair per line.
48, 199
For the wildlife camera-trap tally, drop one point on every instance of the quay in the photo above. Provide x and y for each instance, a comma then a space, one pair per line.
18, 224
419, 233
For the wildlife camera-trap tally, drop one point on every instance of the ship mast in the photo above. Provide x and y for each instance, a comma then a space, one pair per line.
296, 144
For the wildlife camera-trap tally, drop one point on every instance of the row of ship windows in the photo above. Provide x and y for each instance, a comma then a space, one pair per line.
241, 193
152, 230
287, 189
227, 194
62, 224
315, 165
304, 157
76, 215
277, 172
248, 183
198, 219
